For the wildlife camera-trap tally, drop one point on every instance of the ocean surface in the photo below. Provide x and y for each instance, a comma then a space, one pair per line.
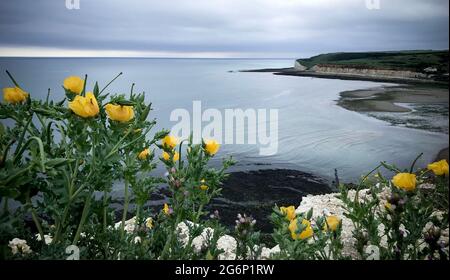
314, 134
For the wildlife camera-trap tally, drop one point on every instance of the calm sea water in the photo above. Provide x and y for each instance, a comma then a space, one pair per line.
315, 135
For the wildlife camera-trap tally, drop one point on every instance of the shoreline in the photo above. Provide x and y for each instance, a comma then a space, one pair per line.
424, 94
352, 77
411, 106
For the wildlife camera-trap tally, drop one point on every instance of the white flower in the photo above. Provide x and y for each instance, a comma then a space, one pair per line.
183, 233
200, 242
129, 227
228, 244
137, 240
48, 239
19, 246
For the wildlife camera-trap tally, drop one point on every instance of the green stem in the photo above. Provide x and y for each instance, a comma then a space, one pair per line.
116, 147
199, 213
61, 223
105, 200
35, 218
5, 152
138, 212
87, 205
67, 208
41, 151
48, 96
22, 136
5, 206
110, 82
170, 238
12, 79
125, 210
414, 163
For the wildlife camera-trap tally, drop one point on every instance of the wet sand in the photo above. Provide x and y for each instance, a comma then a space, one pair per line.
352, 77
387, 99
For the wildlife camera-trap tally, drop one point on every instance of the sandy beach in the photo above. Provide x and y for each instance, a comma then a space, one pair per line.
389, 99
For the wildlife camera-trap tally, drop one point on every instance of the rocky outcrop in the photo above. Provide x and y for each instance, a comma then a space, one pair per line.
372, 72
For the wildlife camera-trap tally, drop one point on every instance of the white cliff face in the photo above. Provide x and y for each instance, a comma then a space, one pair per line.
401, 74
298, 66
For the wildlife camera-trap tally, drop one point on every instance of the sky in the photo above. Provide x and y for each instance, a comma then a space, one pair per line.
219, 28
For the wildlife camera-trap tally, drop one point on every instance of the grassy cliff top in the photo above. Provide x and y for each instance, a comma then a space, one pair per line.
402, 60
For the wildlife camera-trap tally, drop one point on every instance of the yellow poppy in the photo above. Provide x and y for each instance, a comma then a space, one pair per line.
405, 181
119, 113
289, 212
85, 106
149, 223
169, 142
144, 154
305, 234
74, 83
166, 156
166, 209
14, 95
439, 168
332, 223
211, 147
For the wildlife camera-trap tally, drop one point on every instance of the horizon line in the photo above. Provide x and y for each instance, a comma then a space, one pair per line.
151, 57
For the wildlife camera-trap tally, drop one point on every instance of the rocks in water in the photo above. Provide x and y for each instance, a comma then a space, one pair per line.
257, 192
254, 193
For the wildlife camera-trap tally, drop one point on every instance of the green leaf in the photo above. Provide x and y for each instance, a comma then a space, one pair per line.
96, 90
309, 214
56, 162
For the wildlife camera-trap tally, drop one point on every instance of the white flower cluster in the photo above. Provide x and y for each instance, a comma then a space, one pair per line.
19, 246
225, 243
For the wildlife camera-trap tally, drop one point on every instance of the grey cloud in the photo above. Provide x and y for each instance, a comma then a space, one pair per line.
260, 26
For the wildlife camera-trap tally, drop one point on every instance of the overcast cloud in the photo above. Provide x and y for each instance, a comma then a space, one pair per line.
219, 28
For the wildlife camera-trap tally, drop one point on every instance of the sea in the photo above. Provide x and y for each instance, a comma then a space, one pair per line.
314, 134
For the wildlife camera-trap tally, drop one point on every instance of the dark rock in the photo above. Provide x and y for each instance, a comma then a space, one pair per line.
255, 193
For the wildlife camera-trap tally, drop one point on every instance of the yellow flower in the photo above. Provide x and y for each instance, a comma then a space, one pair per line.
204, 187
166, 209
211, 147
166, 156
176, 156
388, 206
405, 181
85, 106
439, 168
289, 212
305, 234
332, 223
74, 83
119, 113
14, 95
149, 223
169, 142
144, 154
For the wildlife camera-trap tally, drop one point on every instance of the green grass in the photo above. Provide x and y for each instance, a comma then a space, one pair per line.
402, 60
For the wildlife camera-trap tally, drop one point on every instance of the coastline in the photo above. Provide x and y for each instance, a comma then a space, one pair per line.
352, 77
411, 106
256, 192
